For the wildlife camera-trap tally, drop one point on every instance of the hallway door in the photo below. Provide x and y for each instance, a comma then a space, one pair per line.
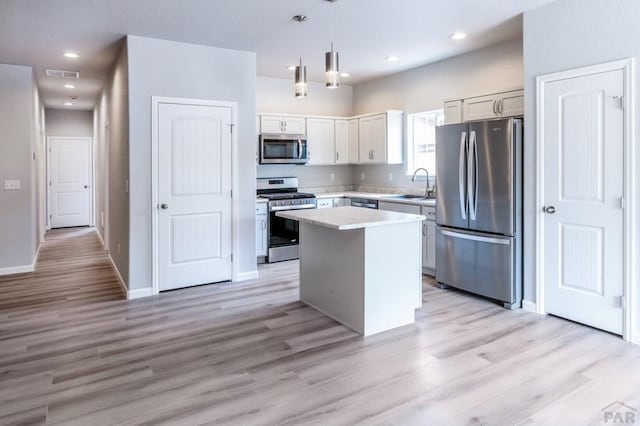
69, 181
194, 195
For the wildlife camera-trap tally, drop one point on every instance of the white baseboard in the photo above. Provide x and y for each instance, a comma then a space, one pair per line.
139, 292
123, 285
10, 270
22, 269
100, 237
635, 338
529, 306
243, 276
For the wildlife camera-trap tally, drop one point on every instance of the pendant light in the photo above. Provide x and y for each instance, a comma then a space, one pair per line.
331, 62
301, 70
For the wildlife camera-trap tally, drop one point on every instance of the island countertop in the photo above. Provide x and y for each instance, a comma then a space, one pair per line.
345, 218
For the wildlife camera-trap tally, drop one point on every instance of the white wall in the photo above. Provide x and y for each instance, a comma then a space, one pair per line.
563, 35
166, 68
483, 71
70, 123
19, 123
275, 95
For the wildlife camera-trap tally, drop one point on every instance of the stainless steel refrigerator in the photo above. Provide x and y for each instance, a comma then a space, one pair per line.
479, 208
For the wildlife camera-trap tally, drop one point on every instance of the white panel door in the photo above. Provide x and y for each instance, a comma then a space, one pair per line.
194, 195
70, 189
321, 146
342, 141
354, 142
583, 187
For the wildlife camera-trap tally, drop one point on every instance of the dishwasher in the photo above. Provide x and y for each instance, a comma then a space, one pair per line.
364, 202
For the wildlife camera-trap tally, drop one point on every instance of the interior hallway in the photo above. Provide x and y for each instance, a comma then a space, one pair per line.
72, 269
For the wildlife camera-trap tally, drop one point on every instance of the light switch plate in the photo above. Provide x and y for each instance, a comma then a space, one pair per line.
11, 185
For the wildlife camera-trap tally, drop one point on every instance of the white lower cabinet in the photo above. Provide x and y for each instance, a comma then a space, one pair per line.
428, 231
261, 229
429, 241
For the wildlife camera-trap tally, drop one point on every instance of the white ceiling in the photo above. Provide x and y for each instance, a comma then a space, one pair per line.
38, 32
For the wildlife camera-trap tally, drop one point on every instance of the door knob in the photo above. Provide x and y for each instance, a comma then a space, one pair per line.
164, 206
86, 186
549, 209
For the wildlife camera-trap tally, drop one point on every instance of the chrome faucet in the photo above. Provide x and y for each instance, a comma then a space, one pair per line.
413, 179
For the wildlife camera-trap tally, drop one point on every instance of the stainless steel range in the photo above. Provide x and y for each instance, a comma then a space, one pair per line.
283, 194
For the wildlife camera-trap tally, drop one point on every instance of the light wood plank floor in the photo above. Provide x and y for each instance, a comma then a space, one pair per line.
72, 351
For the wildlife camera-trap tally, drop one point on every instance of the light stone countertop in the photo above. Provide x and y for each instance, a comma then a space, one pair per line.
377, 196
345, 218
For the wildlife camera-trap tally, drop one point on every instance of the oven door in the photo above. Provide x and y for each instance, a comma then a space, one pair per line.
283, 149
283, 238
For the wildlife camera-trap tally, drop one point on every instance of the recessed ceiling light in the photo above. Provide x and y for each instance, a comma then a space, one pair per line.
345, 74
69, 86
458, 36
392, 58
71, 55
68, 103
291, 67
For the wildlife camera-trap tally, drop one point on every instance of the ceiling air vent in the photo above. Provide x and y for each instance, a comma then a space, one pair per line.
62, 74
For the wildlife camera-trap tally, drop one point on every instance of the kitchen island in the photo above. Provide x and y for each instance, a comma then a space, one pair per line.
360, 266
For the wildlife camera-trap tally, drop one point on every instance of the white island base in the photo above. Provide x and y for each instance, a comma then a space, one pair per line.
361, 267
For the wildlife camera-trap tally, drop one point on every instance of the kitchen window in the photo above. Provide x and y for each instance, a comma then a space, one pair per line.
421, 138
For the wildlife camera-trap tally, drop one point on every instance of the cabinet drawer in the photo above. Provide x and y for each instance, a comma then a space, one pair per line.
429, 212
261, 208
324, 203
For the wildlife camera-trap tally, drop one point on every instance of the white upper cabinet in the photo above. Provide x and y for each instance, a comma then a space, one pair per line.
354, 148
512, 103
497, 105
453, 112
321, 146
380, 138
342, 141
276, 124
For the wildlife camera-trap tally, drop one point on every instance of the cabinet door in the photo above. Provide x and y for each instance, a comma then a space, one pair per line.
429, 245
271, 124
379, 138
453, 112
261, 235
294, 125
342, 141
512, 103
364, 139
354, 144
320, 141
480, 108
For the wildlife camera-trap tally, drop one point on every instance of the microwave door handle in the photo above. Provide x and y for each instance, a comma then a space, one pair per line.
299, 147
462, 178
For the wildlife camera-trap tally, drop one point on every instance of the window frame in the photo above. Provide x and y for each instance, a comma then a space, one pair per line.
411, 145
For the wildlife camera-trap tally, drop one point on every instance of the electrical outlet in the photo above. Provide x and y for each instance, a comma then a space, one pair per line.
390, 177
118, 248
126, 186
332, 176
362, 176
11, 185
102, 219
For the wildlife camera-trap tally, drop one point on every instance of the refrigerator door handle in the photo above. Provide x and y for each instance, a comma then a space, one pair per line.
462, 177
472, 175
490, 240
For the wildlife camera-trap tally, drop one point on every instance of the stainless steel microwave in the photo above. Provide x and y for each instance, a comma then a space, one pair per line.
283, 149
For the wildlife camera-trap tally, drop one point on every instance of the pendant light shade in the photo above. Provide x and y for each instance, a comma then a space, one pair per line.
331, 62
301, 80
300, 71
331, 69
